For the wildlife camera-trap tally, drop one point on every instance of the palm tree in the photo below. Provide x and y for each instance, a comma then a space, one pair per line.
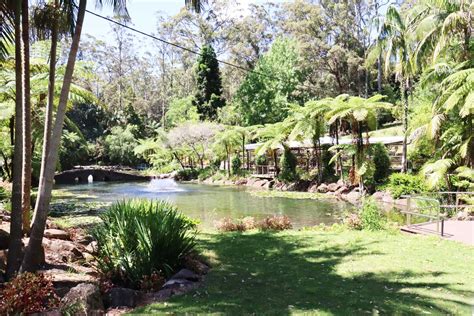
227, 142
362, 115
26, 169
443, 22
394, 43
274, 137
46, 181
15, 244
308, 123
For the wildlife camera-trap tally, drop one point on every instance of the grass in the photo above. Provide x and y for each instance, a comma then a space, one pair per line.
291, 195
329, 273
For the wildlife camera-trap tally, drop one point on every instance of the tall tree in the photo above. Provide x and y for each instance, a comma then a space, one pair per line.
26, 152
209, 84
394, 42
15, 244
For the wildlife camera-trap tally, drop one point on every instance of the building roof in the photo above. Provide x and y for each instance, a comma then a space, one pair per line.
326, 140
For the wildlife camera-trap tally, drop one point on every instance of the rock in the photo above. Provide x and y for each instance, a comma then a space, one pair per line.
186, 274
332, 187
322, 188
4, 239
61, 250
340, 183
387, 198
53, 312
342, 190
177, 283
84, 299
378, 195
197, 266
85, 240
122, 297
353, 197
268, 185
92, 247
68, 279
313, 188
56, 234
250, 182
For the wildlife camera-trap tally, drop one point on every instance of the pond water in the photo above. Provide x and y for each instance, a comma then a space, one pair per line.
208, 203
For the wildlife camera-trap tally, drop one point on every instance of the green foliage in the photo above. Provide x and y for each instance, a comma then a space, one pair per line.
89, 118
206, 172
139, 237
208, 97
381, 161
236, 165
261, 160
288, 164
266, 93
4, 194
120, 145
73, 151
28, 293
187, 174
403, 184
370, 216
180, 111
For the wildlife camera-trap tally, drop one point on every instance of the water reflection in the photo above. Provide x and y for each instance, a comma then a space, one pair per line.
210, 203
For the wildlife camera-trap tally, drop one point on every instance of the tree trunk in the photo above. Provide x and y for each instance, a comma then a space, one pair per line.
405, 124
26, 176
15, 244
44, 196
48, 118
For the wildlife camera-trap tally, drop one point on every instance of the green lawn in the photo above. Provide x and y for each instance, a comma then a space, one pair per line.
340, 273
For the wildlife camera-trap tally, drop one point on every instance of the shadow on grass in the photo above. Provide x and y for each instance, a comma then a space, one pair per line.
264, 273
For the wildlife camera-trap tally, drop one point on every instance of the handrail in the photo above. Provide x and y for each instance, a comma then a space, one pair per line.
409, 211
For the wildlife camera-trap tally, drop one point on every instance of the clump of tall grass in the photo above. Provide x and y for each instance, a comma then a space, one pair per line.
140, 238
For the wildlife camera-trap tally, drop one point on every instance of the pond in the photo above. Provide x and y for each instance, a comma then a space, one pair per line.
208, 203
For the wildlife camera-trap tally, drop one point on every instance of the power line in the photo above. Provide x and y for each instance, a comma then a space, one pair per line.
182, 47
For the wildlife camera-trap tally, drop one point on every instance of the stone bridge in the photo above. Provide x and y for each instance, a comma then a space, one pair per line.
82, 176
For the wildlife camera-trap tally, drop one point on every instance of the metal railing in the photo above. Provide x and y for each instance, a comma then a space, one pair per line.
432, 207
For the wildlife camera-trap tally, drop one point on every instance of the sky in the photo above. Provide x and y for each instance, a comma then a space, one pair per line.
142, 12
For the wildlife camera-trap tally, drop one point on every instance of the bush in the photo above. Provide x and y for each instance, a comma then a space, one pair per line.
402, 184
206, 173
275, 222
288, 166
139, 239
261, 160
28, 293
353, 221
187, 174
236, 164
4, 194
370, 216
381, 161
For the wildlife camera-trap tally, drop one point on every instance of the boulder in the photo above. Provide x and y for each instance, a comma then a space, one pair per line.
84, 299
186, 274
322, 188
92, 247
122, 297
340, 183
353, 197
313, 188
332, 187
387, 198
268, 185
56, 234
378, 195
62, 250
343, 190
177, 283
85, 240
4, 239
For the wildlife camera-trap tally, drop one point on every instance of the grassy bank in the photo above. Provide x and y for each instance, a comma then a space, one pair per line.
330, 273
290, 195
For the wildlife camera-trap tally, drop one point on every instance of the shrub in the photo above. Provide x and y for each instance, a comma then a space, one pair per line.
402, 184
370, 216
381, 161
236, 164
4, 194
275, 222
353, 221
28, 293
260, 160
186, 174
206, 173
228, 225
288, 166
138, 239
